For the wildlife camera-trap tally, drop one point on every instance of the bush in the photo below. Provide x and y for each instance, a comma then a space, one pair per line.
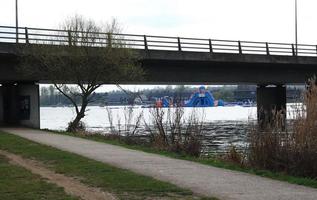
233, 156
171, 131
168, 130
127, 130
79, 127
293, 151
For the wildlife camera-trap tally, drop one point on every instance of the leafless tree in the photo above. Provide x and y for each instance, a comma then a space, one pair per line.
85, 54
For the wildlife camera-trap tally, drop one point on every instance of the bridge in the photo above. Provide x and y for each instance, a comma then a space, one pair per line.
167, 60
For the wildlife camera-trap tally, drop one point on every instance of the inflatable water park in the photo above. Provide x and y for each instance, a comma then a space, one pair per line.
200, 98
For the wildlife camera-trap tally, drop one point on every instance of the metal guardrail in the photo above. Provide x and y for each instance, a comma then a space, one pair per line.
151, 42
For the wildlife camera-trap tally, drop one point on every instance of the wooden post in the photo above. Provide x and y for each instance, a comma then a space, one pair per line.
267, 49
145, 43
240, 48
210, 46
26, 35
179, 44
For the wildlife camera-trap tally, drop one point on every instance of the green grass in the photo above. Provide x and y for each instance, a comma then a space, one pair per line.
18, 183
211, 161
123, 183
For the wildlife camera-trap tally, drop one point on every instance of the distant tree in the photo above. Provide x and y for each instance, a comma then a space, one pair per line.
76, 56
51, 94
224, 93
179, 94
44, 95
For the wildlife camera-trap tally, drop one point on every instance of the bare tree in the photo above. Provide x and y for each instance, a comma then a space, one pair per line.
84, 54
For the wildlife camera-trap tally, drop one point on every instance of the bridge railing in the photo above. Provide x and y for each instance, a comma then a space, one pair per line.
151, 42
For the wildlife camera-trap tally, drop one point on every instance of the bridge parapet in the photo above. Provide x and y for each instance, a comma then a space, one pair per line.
150, 42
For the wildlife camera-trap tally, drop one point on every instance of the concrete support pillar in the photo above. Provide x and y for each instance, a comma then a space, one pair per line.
10, 110
19, 105
270, 100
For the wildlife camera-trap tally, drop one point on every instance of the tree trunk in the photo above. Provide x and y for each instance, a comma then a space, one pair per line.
76, 125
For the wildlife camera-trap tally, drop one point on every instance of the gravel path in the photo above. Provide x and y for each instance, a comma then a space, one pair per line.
201, 179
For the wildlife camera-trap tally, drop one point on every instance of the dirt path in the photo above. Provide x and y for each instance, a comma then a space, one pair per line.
70, 185
201, 179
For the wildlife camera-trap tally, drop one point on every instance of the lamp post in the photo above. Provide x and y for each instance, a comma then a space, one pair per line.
16, 22
296, 39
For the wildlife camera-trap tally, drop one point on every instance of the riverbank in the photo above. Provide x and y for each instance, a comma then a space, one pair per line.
124, 184
211, 160
201, 179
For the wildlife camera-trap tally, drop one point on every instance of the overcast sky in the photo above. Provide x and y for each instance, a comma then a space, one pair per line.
257, 20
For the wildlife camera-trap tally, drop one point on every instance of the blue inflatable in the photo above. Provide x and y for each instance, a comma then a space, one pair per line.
203, 98
165, 102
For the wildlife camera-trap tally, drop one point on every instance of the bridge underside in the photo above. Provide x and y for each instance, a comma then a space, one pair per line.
19, 102
175, 72
197, 68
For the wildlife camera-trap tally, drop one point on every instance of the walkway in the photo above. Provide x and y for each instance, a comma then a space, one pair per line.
201, 179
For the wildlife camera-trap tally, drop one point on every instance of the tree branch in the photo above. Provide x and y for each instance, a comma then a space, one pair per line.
68, 97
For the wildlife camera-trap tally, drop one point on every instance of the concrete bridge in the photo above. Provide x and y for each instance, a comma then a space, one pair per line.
166, 60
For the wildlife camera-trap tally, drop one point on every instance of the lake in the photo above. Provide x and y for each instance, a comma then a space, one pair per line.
222, 125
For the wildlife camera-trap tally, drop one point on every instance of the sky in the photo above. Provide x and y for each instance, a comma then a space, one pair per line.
253, 20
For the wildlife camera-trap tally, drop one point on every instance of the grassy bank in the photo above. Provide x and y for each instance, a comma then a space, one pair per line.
123, 183
19, 183
210, 160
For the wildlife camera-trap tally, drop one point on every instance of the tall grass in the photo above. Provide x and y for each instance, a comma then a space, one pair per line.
127, 128
174, 132
294, 150
168, 129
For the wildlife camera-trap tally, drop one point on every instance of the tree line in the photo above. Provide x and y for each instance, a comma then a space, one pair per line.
50, 96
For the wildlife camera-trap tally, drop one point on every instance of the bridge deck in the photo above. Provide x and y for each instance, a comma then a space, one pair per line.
176, 60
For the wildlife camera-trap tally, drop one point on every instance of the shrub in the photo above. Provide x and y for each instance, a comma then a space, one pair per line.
173, 132
126, 131
79, 127
293, 150
234, 156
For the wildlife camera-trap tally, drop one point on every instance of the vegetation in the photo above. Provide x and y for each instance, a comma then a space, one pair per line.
173, 132
123, 183
168, 130
291, 151
80, 58
20, 184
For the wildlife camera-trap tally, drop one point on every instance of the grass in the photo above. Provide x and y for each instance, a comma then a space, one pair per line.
211, 161
123, 183
18, 183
